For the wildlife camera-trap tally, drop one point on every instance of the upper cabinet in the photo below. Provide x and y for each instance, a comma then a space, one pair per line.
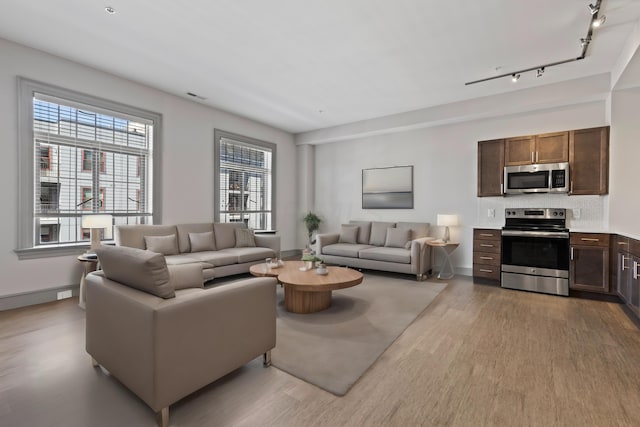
586, 150
589, 161
490, 167
545, 148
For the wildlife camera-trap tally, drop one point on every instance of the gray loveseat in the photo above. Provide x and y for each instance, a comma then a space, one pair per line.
388, 246
221, 249
163, 335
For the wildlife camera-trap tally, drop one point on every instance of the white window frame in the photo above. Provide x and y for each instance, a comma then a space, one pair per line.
219, 135
25, 248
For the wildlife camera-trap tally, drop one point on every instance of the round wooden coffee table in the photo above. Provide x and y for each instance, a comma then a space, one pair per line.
306, 291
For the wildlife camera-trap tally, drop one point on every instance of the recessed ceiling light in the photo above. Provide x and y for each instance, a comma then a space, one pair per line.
110, 10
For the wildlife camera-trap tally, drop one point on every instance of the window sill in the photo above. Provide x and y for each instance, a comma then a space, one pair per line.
52, 251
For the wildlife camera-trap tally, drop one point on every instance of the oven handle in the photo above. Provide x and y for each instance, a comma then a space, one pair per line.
551, 234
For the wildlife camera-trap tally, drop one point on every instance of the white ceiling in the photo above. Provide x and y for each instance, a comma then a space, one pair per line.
303, 65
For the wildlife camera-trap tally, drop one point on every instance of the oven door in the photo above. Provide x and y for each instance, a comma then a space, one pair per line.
543, 253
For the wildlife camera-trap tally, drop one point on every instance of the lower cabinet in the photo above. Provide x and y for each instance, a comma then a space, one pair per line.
486, 254
589, 268
628, 273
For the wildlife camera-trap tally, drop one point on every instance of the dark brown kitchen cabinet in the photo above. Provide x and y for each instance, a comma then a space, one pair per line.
490, 167
544, 148
589, 161
486, 254
628, 273
589, 267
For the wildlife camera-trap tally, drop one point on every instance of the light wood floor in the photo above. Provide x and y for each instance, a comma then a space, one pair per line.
477, 356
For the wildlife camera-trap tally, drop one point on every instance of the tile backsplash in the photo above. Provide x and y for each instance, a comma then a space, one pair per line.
583, 212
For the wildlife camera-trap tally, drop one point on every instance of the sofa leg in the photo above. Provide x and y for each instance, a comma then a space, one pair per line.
162, 417
419, 277
266, 359
94, 362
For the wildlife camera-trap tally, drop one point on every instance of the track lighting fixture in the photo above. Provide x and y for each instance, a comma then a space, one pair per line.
596, 21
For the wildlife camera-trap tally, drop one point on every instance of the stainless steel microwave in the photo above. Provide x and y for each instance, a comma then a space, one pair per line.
538, 178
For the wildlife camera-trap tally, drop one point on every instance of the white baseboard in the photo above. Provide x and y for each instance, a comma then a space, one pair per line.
38, 297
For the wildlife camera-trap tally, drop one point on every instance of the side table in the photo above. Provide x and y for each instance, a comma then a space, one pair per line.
89, 264
446, 271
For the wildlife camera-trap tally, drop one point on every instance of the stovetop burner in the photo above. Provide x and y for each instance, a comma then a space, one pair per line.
542, 219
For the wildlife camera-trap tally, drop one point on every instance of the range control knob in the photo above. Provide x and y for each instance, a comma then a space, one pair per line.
555, 214
561, 213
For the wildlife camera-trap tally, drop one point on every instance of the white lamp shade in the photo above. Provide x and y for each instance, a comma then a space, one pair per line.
97, 221
447, 220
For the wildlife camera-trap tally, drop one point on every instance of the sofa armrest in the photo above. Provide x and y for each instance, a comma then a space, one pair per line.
165, 349
323, 240
269, 241
421, 255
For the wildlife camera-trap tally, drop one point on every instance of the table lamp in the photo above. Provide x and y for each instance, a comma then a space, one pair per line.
95, 223
446, 221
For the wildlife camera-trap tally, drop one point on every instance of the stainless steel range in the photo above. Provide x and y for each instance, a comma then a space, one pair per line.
535, 250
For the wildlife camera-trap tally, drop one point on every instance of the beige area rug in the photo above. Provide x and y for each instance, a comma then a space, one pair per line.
333, 348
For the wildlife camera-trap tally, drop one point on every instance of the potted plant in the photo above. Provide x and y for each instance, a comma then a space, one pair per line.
312, 222
310, 260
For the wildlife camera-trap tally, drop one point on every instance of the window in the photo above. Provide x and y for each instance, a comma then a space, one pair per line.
83, 146
244, 184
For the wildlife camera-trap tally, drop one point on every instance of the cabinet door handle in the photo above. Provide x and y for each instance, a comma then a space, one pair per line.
536, 157
486, 234
622, 260
589, 239
532, 161
484, 245
635, 270
622, 243
571, 187
571, 254
486, 257
485, 270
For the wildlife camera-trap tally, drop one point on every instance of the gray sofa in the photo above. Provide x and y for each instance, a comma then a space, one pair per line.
163, 335
388, 246
221, 249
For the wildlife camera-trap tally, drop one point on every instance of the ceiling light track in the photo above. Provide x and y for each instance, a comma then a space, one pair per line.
595, 22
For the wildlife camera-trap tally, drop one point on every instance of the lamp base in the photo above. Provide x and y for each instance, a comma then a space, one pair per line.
445, 237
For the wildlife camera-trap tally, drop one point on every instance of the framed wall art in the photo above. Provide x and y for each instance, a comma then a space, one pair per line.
387, 188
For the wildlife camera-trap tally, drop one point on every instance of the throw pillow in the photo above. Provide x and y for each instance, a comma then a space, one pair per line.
143, 270
397, 237
245, 238
202, 241
379, 232
165, 245
348, 234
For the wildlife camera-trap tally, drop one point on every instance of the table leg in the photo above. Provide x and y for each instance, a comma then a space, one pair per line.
306, 302
446, 271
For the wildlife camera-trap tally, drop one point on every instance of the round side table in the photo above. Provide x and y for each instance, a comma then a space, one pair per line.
446, 271
89, 264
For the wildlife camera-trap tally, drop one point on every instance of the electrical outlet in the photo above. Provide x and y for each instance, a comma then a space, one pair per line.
491, 213
576, 213
65, 294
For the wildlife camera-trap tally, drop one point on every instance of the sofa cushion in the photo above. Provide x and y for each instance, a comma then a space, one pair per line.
344, 249
243, 255
418, 229
199, 242
379, 232
184, 276
215, 258
184, 241
143, 270
181, 259
165, 245
133, 235
348, 233
245, 238
397, 237
364, 231
225, 233
397, 255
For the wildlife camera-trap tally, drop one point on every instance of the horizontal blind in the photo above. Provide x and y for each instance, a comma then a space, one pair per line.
88, 160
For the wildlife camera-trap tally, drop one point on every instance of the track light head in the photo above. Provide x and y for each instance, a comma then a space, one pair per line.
585, 42
593, 9
540, 72
515, 77
598, 22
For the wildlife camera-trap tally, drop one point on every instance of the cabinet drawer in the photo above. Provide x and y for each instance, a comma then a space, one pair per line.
590, 239
491, 246
486, 258
486, 271
486, 234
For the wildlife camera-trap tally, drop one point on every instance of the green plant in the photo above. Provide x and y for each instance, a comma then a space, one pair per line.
312, 222
311, 257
